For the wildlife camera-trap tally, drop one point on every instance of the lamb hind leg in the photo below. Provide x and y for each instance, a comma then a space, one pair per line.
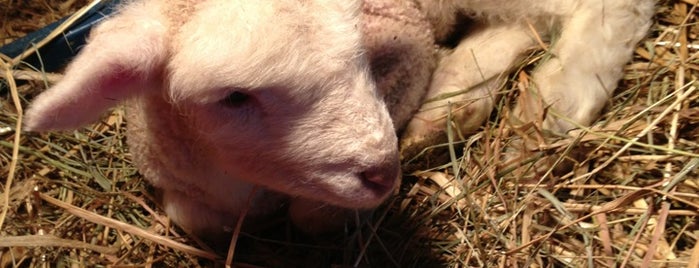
471, 73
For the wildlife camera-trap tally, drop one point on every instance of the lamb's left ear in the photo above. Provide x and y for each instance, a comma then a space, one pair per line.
125, 54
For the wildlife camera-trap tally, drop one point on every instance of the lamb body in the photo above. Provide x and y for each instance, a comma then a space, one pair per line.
304, 98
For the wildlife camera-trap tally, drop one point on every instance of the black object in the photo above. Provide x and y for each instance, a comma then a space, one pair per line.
63, 48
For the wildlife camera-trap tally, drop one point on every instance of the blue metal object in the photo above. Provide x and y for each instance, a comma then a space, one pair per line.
60, 50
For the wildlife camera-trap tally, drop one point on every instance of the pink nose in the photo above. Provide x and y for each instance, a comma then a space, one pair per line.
381, 179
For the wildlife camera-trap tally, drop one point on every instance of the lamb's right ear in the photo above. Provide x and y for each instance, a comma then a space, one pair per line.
125, 54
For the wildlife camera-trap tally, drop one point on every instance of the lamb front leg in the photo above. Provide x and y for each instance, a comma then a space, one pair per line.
586, 63
464, 84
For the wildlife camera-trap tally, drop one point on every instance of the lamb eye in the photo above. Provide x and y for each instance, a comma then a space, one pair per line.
235, 99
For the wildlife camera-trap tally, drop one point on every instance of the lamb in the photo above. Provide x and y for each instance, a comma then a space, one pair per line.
304, 99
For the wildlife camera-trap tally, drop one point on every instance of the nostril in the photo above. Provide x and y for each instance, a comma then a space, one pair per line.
380, 179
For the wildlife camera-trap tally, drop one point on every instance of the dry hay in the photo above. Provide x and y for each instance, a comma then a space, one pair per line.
631, 199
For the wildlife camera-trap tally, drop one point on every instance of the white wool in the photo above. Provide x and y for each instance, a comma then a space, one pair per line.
325, 85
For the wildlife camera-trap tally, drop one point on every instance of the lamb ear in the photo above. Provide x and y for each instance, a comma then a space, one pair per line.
124, 55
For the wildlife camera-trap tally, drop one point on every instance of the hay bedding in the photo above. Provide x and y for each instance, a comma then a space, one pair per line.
631, 199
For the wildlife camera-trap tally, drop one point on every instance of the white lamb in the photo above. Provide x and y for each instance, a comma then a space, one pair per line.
225, 95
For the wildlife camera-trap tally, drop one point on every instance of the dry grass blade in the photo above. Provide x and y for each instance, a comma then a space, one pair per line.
238, 226
56, 32
694, 259
16, 142
51, 241
128, 228
656, 238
